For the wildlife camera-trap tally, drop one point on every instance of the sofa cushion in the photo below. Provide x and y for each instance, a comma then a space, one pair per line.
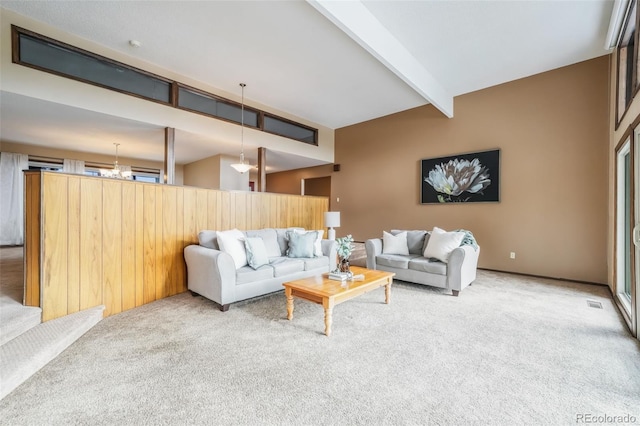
442, 243
316, 262
415, 240
256, 252
301, 245
247, 274
394, 244
208, 239
400, 261
427, 265
232, 243
270, 238
317, 247
285, 266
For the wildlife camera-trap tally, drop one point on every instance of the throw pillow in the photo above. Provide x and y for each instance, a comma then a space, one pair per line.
208, 239
283, 239
415, 240
269, 238
317, 246
232, 243
301, 245
394, 244
256, 252
442, 243
318, 243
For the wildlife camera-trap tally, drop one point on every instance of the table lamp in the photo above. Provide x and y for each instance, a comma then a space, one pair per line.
331, 220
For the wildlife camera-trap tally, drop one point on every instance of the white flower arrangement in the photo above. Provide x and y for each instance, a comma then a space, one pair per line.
458, 176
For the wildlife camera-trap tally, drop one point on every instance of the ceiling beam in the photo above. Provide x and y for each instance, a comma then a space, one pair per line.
358, 22
618, 16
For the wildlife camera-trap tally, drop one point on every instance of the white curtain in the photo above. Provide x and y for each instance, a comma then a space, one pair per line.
11, 198
73, 166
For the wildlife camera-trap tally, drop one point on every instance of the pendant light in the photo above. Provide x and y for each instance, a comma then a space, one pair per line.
242, 167
117, 172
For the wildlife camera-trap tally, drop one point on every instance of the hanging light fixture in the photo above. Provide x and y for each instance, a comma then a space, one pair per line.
117, 172
242, 167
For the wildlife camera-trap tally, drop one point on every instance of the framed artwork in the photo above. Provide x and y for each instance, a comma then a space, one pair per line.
463, 178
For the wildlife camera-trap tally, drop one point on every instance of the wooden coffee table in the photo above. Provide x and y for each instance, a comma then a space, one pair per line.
328, 293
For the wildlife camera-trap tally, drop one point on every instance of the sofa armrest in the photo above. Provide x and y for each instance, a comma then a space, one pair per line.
461, 270
211, 273
330, 249
373, 248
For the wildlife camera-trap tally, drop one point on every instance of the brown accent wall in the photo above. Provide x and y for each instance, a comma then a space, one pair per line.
289, 182
320, 186
553, 132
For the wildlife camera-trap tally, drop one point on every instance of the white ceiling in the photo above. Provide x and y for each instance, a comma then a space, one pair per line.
296, 60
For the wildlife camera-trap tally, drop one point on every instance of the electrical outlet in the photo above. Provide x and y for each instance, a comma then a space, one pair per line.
337, 199
512, 255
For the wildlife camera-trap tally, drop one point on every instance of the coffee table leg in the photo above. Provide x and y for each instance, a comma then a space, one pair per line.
387, 292
328, 311
287, 292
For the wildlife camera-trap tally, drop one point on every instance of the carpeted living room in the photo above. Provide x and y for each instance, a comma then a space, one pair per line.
513, 350
318, 212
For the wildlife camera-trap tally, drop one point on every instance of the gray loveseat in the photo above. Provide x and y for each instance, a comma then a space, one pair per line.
212, 273
458, 273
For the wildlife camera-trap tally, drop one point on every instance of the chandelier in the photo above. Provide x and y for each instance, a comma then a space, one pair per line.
242, 167
116, 172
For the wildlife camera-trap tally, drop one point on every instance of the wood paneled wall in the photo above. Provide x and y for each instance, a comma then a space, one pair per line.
32, 183
96, 241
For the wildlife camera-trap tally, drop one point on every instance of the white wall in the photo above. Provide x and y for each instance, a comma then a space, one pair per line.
230, 179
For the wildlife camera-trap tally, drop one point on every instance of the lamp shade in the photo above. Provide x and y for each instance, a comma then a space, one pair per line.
332, 219
242, 167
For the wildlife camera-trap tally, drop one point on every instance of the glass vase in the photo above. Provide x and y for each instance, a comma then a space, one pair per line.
344, 265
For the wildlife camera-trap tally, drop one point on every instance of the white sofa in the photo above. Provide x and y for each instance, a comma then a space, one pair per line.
455, 275
212, 273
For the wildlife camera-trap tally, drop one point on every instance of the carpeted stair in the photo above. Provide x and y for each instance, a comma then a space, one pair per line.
26, 345
24, 355
16, 319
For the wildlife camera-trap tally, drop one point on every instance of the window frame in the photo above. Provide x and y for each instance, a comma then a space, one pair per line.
91, 168
174, 86
635, 80
94, 167
219, 99
16, 32
294, 123
46, 164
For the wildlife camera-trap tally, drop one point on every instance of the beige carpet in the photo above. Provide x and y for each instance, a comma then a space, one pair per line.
26, 345
11, 274
15, 318
510, 350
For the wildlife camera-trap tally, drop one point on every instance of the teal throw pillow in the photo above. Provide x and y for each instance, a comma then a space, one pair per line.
256, 252
301, 245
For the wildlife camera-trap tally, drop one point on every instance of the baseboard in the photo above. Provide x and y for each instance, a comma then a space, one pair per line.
545, 277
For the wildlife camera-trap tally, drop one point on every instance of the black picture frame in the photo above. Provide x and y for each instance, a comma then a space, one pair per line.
462, 178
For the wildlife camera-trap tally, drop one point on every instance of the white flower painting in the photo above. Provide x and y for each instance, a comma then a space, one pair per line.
462, 178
